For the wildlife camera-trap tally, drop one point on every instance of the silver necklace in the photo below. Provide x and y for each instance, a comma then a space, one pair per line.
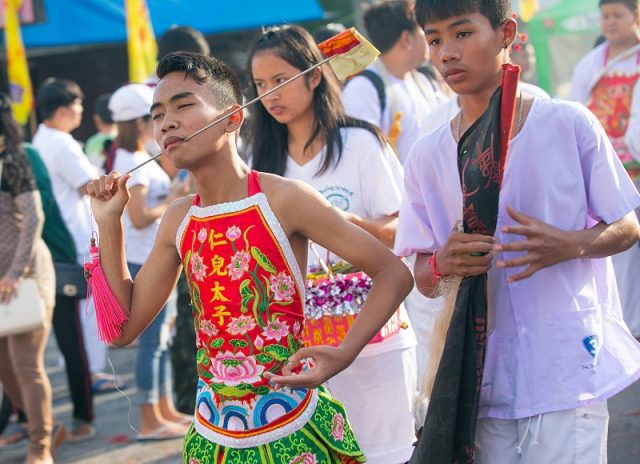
519, 117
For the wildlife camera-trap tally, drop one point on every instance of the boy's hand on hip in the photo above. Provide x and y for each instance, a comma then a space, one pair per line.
544, 245
109, 196
327, 362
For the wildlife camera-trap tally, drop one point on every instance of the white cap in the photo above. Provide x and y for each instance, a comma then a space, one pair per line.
130, 102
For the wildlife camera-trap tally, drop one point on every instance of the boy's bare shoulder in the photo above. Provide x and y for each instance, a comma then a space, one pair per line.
176, 212
278, 189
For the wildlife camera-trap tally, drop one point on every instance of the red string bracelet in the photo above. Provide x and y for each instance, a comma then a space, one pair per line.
434, 267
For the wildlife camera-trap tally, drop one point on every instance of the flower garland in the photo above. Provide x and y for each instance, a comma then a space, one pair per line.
337, 294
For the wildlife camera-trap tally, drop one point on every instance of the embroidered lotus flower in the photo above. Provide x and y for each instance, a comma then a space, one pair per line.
202, 235
282, 286
275, 330
233, 233
296, 328
200, 341
258, 342
193, 461
337, 427
304, 458
239, 264
207, 328
234, 369
241, 325
198, 268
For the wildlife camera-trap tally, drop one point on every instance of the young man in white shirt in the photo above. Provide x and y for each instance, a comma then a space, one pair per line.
407, 96
392, 95
556, 347
60, 105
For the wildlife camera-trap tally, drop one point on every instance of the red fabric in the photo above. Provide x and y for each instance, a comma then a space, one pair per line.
247, 307
610, 101
339, 44
510, 78
254, 183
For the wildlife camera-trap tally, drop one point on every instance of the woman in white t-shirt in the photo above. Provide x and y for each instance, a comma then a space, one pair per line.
604, 80
151, 193
302, 132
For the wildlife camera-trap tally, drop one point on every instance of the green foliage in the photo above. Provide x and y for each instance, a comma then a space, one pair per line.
264, 358
217, 343
279, 353
262, 260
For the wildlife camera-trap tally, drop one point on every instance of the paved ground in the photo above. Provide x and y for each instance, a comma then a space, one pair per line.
114, 442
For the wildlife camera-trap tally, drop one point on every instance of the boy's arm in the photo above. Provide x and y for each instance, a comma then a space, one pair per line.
144, 298
310, 215
546, 245
611, 200
632, 136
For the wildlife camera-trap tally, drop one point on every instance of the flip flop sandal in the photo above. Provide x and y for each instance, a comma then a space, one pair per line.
57, 437
14, 434
106, 385
164, 432
89, 431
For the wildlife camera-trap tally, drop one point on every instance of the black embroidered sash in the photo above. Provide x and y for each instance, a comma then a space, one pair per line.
448, 435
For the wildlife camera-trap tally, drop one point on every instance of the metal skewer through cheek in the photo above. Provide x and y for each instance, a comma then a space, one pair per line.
226, 115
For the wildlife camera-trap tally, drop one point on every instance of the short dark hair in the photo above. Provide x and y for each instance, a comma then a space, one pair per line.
204, 70
101, 108
182, 39
385, 22
56, 93
496, 11
631, 4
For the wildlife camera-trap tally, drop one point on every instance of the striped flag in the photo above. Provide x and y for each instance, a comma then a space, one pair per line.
528, 8
141, 43
17, 66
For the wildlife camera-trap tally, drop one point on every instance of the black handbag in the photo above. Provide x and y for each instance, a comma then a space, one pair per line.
70, 280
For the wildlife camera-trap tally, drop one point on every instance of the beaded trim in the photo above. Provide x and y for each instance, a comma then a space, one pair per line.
264, 438
259, 199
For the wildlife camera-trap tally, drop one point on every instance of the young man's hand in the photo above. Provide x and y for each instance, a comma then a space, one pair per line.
465, 255
544, 245
109, 196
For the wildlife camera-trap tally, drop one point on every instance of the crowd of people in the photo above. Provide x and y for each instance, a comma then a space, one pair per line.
210, 247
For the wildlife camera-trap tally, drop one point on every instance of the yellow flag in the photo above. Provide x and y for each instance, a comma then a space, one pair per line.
17, 65
528, 8
141, 43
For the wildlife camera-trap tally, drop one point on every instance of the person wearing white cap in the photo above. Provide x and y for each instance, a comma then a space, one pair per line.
151, 192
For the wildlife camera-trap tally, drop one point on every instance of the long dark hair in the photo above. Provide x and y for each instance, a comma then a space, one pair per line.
9, 127
269, 140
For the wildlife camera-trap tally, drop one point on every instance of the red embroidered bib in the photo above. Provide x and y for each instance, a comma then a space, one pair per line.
247, 300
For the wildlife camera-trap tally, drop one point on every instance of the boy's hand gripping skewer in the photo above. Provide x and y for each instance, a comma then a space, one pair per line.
348, 53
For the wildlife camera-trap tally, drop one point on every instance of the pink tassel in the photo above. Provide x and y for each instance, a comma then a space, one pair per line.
110, 314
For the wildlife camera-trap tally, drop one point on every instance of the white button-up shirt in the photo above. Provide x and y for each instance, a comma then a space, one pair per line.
557, 339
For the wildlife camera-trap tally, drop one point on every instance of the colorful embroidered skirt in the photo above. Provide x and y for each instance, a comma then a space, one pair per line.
326, 439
